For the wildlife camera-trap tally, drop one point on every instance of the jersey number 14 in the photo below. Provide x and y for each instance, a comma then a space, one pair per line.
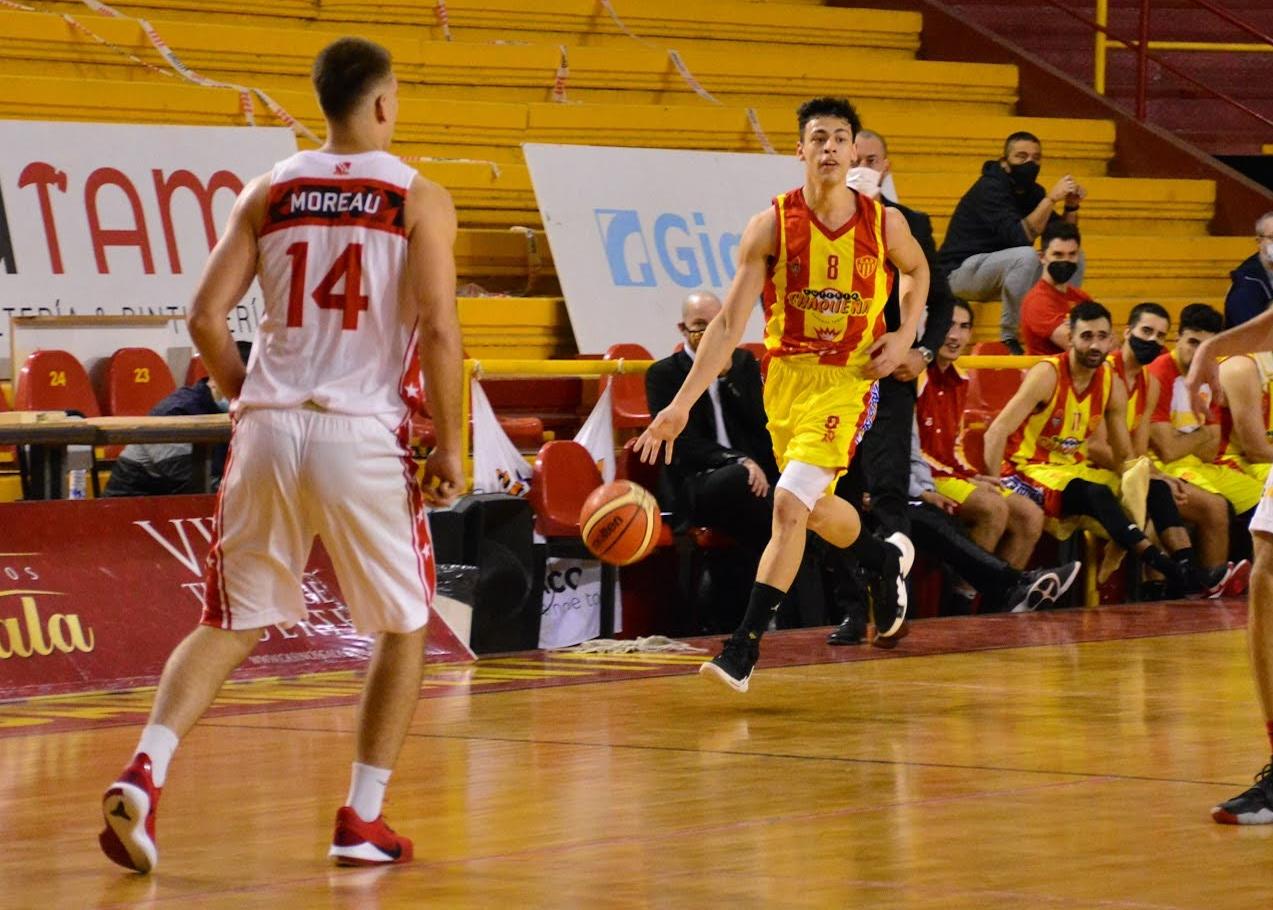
351, 301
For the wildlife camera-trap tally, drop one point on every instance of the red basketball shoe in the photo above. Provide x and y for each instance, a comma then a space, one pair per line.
128, 807
360, 843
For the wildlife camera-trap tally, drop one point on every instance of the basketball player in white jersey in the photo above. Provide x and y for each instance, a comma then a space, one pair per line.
354, 252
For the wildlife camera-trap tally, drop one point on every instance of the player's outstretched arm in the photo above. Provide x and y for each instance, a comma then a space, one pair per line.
429, 285
226, 278
904, 252
1039, 384
716, 349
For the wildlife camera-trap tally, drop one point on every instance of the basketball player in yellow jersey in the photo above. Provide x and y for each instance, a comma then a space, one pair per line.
819, 255
1255, 805
1045, 430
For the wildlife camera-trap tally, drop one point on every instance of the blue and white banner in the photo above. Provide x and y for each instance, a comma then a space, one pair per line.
633, 231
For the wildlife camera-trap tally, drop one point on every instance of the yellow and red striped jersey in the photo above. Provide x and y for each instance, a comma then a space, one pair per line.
1230, 448
1137, 395
825, 290
1058, 432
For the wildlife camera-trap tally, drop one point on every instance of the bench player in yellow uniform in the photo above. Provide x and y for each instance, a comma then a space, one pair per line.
817, 255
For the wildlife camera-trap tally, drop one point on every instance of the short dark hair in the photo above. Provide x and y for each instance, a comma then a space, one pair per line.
964, 305
1020, 136
1087, 311
1060, 230
345, 71
827, 107
1201, 318
1148, 308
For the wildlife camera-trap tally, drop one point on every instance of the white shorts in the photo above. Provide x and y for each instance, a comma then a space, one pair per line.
293, 474
1262, 520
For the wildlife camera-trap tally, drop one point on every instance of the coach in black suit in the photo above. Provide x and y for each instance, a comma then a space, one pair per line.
723, 469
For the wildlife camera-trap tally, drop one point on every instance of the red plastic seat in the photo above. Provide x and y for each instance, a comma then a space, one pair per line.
757, 349
628, 405
55, 381
631, 467
137, 379
196, 370
563, 476
990, 390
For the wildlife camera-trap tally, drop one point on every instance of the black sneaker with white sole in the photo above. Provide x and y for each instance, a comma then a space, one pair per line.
733, 665
1042, 587
888, 591
1251, 807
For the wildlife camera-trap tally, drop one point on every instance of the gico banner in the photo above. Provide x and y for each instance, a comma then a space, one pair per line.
635, 230
114, 219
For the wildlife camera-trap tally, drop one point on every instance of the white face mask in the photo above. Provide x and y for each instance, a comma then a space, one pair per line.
1266, 247
865, 180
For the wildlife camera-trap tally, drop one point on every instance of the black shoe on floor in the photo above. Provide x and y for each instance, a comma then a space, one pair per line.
1042, 587
888, 592
1251, 807
733, 665
849, 632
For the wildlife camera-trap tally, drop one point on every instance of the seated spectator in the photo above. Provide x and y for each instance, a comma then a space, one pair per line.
723, 469
164, 468
1252, 287
988, 251
998, 521
1040, 443
1184, 447
1045, 309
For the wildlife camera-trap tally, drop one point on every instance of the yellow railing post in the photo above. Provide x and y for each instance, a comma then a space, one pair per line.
466, 424
1098, 70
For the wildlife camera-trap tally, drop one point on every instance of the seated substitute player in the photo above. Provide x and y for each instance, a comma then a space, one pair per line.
354, 252
819, 255
1045, 430
1147, 327
1184, 446
1247, 439
999, 521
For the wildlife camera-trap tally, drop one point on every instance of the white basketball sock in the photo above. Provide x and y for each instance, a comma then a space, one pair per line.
367, 790
158, 742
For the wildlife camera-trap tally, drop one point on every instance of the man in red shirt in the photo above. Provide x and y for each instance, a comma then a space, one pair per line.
1045, 309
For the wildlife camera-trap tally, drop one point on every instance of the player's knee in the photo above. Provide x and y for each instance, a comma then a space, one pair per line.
985, 510
791, 515
1025, 517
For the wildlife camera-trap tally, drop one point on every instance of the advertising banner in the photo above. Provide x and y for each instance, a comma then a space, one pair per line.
95, 594
117, 219
633, 231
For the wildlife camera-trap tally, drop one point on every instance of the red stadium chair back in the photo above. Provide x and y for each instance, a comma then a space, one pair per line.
627, 402
137, 379
563, 476
990, 390
55, 381
757, 349
196, 370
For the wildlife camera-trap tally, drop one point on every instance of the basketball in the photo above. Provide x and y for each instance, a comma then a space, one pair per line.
620, 522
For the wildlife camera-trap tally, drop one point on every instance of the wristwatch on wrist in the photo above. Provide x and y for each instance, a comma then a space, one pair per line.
926, 354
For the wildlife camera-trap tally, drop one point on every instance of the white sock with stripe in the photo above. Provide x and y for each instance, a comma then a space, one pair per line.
367, 790
159, 743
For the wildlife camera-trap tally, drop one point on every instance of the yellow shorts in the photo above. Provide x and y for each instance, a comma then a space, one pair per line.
1259, 470
1240, 489
817, 414
959, 490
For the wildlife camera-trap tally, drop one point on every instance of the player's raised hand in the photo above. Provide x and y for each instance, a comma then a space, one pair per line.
887, 353
1204, 375
443, 477
664, 428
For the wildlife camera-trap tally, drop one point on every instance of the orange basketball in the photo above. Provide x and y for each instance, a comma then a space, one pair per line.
620, 522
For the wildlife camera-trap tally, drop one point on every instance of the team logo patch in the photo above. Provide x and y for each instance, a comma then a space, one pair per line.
866, 265
794, 266
342, 169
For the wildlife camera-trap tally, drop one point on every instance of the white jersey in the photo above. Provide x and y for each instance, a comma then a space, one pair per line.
333, 251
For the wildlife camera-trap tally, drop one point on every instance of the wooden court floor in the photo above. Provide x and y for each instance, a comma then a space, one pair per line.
1062, 760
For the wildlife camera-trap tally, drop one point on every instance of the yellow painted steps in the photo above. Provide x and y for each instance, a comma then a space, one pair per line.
280, 59
684, 24
493, 131
516, 327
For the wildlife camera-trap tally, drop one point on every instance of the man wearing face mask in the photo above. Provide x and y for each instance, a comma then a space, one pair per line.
723, 468
1252, 288
1045, 310
988, 251
162, 468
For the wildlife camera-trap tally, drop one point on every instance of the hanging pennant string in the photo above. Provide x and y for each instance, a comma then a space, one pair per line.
429, 159
444, 18
689, 77
760, 134
85, 30
563, 73
534, 264
18, 6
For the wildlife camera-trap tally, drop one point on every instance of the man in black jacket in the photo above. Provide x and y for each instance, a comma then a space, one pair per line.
1252, 288
723, 469
989, 247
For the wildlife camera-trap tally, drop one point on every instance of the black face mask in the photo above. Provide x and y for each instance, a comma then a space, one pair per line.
1144, 350
1062, 272
1023, 175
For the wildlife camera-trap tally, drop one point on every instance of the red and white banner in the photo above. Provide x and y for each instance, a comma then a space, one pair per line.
115, 219
95, 594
